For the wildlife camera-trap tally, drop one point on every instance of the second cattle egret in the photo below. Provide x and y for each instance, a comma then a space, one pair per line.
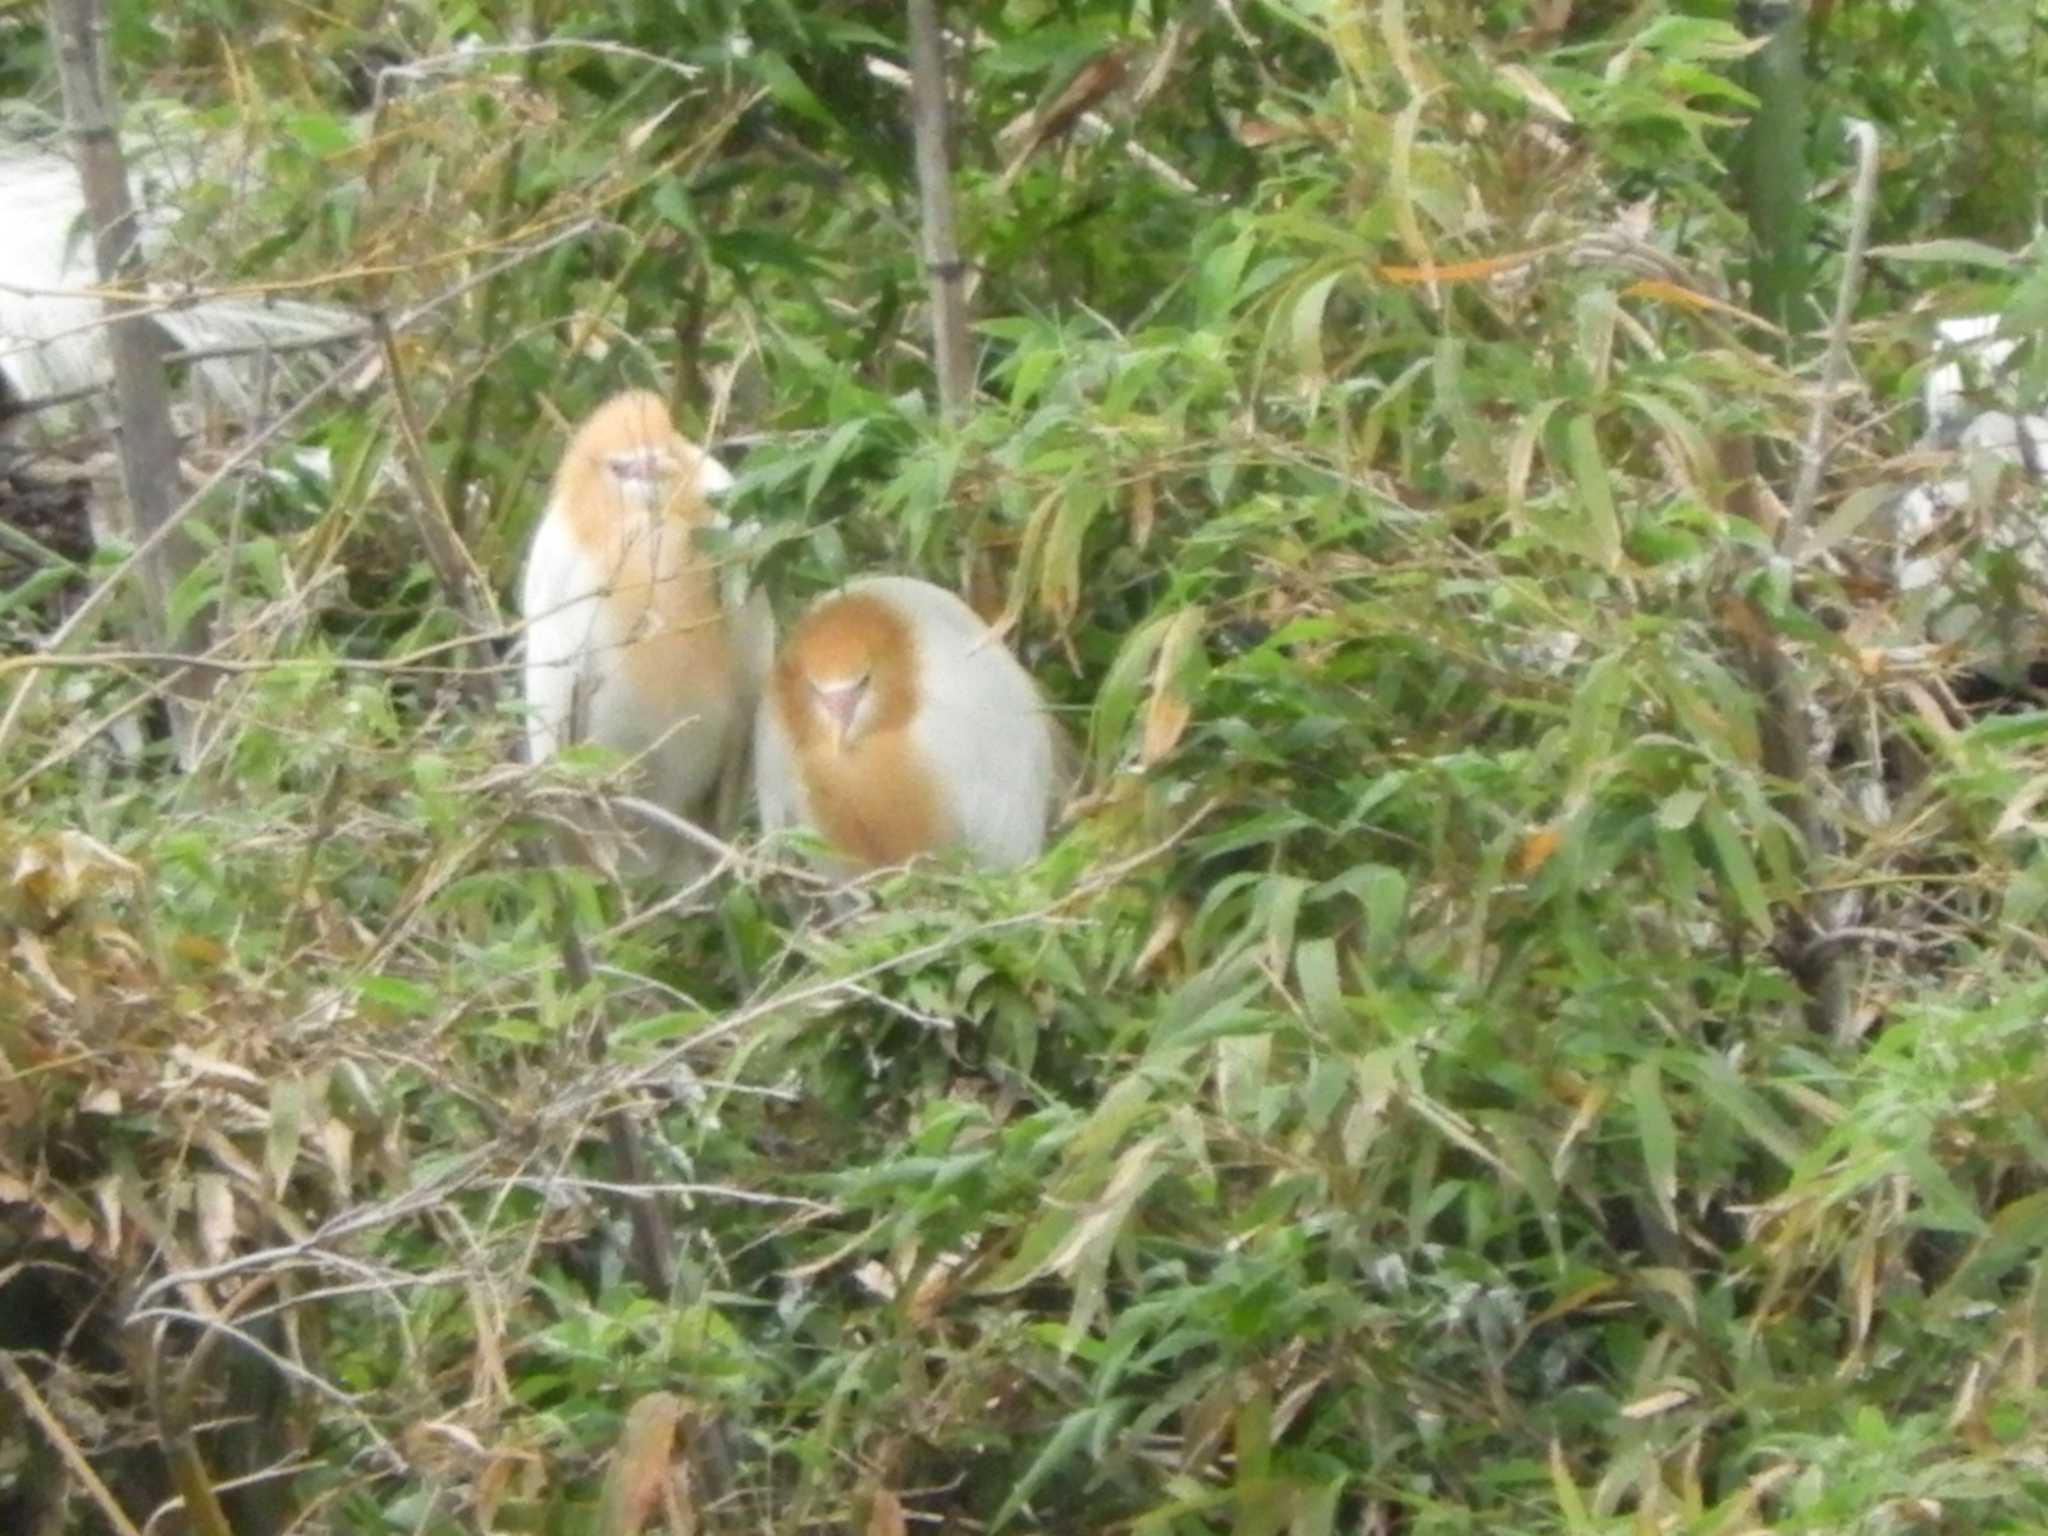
896, 723
628, 642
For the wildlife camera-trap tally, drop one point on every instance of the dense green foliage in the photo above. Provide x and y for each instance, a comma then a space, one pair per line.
1392, 1105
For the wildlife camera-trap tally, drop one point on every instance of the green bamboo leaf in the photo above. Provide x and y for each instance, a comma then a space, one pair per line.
1717, 1082
1738, 868
1972, 253
1522, 458
1596, 493
1066, 1441
1679, 810
1595, 315
837, 446
1659, 1137
1241, 1077
1305, 325
787, 87
286, 1130
1322, 987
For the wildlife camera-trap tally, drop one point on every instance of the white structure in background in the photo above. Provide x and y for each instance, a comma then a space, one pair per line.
52, 332
1989, 444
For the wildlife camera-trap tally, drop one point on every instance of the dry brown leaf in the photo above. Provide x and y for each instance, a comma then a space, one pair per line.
55, 872
1258, 132
639, 1465
35, 960
1747, 624
1673, 293
1094, 80
200, 949
1165, 722
1656, 1403
885, 1515
201, 1065
934, 1290
1172, 922
338, 1142
490, 1488
107, 1200
1461, 271
213, 1210
1535, 849
1929, 710
66, 1218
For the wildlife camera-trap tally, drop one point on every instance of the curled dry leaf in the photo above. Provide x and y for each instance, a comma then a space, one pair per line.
52, 874
35, 962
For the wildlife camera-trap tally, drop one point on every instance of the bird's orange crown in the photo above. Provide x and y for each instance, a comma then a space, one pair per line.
626, 460
846, 640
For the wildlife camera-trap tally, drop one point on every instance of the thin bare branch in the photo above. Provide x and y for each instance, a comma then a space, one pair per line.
24, 1391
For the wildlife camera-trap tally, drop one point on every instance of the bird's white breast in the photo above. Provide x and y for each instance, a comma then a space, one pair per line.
583, 621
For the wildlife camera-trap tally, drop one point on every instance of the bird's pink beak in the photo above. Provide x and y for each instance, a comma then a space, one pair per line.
841, 703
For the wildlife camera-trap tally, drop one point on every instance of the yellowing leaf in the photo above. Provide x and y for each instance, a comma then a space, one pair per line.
1535, 849
1460, 271
1535, 92
1167, 928
200, 949
1656, 1403
1144, 509
1174, 676
1673, 293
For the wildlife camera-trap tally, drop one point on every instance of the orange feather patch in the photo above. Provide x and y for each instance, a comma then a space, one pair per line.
871, 796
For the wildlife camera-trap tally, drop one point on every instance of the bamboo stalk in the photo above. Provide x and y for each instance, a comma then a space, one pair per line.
1775, 191
146, 439
1773, 167
944, 270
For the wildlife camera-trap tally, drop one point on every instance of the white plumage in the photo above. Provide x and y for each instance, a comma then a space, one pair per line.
628, 643
52, 332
